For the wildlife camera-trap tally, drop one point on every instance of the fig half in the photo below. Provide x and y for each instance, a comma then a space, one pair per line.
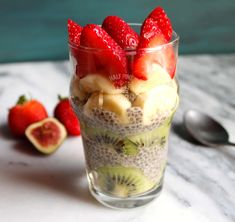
46, 135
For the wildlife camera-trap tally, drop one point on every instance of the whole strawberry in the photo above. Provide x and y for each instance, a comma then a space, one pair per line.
24, 113
64, 113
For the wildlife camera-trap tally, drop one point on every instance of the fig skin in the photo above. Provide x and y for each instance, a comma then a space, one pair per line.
46, 135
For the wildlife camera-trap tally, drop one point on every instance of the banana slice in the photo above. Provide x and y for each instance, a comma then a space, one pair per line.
157, 77
116, 103
76, 90
98, 83
175, 85
160, 99
93, 102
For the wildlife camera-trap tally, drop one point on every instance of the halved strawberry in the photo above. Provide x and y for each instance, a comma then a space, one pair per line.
74, 32
121, 32
153, 48
150, 29
86, 63
84, 59
164, 23
107, 53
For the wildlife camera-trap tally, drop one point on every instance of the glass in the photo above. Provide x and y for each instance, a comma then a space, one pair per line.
125, 129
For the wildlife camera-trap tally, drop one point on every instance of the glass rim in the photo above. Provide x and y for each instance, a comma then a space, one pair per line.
175, 39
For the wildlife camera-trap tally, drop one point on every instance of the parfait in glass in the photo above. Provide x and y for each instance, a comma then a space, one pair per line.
125, 92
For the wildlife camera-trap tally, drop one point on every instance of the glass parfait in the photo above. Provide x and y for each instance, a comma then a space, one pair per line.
125, 121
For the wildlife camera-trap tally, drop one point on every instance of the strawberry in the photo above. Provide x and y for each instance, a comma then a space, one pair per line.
164, 23
86, 63
107, 53
150, 30
121, 32
65, 114
74, 31
24, 113
151, 37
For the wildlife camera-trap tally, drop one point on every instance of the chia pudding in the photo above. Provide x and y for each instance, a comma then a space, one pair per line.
124, 145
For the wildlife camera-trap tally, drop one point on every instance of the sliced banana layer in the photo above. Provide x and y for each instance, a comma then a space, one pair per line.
116, 103
161, 99
76, 90
157, 77
98, 83
92, 102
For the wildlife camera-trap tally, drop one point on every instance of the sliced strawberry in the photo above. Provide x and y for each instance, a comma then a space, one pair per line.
163, 54
107, 53
74, 31
86, 63
121, 32
150, 29
164, 23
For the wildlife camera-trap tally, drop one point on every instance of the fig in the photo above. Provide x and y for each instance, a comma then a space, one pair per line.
46, 135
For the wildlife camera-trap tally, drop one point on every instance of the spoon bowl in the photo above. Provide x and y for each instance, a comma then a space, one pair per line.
205, 129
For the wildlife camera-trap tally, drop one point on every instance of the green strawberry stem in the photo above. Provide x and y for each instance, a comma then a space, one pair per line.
22, 100
61, 97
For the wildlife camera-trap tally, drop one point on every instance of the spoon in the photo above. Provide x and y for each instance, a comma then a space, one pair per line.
205, 129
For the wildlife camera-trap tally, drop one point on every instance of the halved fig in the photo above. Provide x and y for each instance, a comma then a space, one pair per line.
46, 135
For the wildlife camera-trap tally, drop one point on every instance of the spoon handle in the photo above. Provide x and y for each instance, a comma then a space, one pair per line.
231, 144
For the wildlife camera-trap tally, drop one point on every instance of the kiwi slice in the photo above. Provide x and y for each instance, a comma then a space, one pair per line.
123, 181
130, 148
157, 136
101, 135
104, 137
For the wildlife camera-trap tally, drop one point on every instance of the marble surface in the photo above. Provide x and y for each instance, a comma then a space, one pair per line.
199, 182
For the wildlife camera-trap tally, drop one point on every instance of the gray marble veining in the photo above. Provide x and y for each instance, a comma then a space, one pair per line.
199, 181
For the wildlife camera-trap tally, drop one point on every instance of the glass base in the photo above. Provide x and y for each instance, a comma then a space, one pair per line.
126, 203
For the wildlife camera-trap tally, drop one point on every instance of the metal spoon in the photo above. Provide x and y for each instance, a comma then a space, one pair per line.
205, 129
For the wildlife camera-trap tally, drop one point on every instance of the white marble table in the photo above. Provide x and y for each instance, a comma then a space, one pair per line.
199, 182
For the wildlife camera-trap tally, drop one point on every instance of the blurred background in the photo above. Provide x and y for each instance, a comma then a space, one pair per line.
37, 30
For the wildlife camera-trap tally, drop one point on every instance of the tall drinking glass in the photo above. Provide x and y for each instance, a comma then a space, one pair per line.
125, 127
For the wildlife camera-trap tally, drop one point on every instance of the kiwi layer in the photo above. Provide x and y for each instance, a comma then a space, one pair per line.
122, 181
106, 138
130, 144
150, 138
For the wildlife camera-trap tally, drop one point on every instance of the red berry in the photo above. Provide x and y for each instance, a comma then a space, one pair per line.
74, 31
107, 53
23, 114
86, 63
164, 23
151, 37
149, 30
121, 32
65, 114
